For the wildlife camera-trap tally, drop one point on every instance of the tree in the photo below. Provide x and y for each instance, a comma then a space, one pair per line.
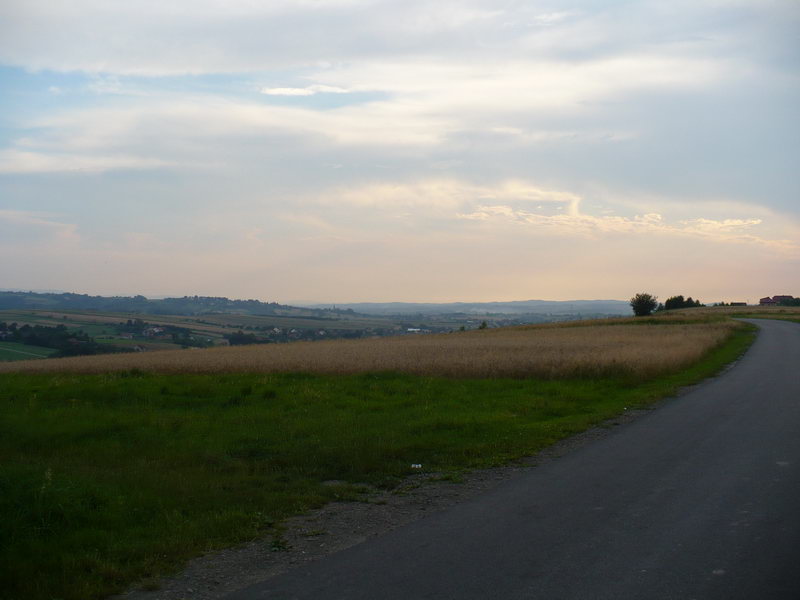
643, 304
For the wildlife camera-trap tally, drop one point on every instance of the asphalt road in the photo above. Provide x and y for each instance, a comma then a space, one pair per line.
699, 499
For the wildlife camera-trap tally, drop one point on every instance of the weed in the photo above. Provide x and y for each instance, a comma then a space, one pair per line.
279, 544
315, 533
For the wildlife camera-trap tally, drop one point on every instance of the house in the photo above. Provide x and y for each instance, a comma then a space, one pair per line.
152, 331
774, 301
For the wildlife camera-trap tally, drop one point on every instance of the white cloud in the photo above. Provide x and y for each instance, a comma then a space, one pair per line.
310, 90
533, 210
210, 36
446, 194
587, 225
552, 18
16, 161
515, 85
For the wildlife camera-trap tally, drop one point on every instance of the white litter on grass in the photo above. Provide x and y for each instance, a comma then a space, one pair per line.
416, 466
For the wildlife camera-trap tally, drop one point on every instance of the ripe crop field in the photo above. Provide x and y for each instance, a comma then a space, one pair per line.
540, 351
117, 472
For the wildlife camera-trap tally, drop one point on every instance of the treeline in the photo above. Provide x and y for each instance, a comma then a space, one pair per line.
187, 305
644, 304
789, 302
270, 335
67, 342
674, 302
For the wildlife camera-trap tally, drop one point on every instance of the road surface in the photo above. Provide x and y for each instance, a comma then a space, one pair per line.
699, 499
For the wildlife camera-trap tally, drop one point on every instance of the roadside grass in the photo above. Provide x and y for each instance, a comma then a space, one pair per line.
793, 319
114, 478
768, 312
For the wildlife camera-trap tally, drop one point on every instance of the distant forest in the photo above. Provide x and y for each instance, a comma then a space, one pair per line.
188, 305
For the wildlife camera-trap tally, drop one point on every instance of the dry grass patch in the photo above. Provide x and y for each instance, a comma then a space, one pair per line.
551, 352
730, 311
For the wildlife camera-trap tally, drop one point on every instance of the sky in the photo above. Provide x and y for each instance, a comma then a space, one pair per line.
415, 150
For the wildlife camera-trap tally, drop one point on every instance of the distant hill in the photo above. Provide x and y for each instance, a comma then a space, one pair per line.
187, 305
198, 305
555, 307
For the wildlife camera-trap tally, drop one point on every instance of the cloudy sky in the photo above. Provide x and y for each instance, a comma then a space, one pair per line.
418, 150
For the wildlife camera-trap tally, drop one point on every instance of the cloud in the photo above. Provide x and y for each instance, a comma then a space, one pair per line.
41, 223
532, 210
446, 194
524, 84
466, 134
551, 18
179, 132
310, 90
208, 36
16, 161
579, 224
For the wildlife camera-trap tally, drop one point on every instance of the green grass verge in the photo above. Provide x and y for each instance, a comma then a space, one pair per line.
793, 319
109, 479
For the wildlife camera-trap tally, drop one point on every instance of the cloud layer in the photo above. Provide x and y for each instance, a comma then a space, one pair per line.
373, 149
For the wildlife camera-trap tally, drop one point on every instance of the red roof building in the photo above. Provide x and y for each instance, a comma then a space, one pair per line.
774, 301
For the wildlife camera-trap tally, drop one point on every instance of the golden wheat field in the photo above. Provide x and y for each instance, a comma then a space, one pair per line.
542, 351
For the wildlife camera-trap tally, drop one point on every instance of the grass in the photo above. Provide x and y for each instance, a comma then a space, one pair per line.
767, 312
112, 478
12, 351
792, 318
590, 348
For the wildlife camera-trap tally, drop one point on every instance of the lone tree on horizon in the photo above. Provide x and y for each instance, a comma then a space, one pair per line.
643, 304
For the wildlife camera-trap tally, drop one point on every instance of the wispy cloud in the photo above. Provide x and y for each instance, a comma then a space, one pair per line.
587, 225
310, 90
16, 161
448, 194
56, 230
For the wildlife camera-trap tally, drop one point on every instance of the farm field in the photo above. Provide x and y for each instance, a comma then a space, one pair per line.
212, 323
111, 473
211, 328
97, 324
593, 348
12, 351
